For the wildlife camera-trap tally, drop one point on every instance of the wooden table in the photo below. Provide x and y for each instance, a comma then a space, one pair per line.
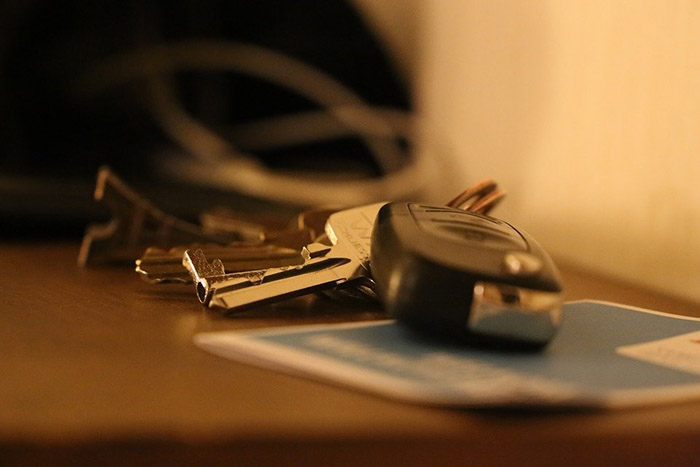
97, 366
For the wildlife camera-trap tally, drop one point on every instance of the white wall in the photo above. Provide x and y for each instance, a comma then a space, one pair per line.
587, 112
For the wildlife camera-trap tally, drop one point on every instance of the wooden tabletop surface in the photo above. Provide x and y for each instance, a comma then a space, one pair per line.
98, 366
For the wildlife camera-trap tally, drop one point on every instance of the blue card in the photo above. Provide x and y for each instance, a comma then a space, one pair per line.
604, 355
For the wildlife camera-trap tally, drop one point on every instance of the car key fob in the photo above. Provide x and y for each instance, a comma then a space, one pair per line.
464, 275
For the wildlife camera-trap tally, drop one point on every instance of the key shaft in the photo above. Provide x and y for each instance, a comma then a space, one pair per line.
277, 285
160, 266
238, 290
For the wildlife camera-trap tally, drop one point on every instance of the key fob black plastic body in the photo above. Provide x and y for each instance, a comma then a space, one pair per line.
467, 276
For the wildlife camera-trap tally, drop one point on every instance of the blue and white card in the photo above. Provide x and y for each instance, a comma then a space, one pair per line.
605, 355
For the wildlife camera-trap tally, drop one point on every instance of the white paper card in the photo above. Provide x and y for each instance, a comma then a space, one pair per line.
679, 352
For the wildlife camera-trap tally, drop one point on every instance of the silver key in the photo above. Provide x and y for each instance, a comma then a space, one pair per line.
161, 266
345, 261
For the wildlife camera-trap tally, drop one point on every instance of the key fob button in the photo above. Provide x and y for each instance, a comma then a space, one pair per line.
520, 263
467, 228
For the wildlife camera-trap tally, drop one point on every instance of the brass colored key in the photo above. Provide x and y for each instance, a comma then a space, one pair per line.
300, 231
221, 219
135, 225
272, 249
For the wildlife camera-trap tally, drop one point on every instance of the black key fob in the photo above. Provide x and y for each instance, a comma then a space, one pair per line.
463, 275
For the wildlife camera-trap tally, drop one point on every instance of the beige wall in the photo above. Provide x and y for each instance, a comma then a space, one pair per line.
587, 112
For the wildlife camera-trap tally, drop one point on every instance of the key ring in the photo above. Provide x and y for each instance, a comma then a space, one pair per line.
480, 198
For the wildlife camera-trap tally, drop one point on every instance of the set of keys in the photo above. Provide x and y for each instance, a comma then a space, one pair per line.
450, 271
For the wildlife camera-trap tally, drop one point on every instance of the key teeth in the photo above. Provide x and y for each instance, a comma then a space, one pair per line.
255, 277
217, 266
315, 250
198, 266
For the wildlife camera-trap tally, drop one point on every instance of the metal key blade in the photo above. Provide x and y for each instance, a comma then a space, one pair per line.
325, 267
217, 289
160, 266
276, 285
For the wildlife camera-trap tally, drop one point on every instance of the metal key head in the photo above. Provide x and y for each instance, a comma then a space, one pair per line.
350, 232
202, 271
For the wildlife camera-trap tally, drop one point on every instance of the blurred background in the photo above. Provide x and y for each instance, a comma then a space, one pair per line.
586, 112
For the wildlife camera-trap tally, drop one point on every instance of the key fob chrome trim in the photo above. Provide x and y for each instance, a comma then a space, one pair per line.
514, 313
